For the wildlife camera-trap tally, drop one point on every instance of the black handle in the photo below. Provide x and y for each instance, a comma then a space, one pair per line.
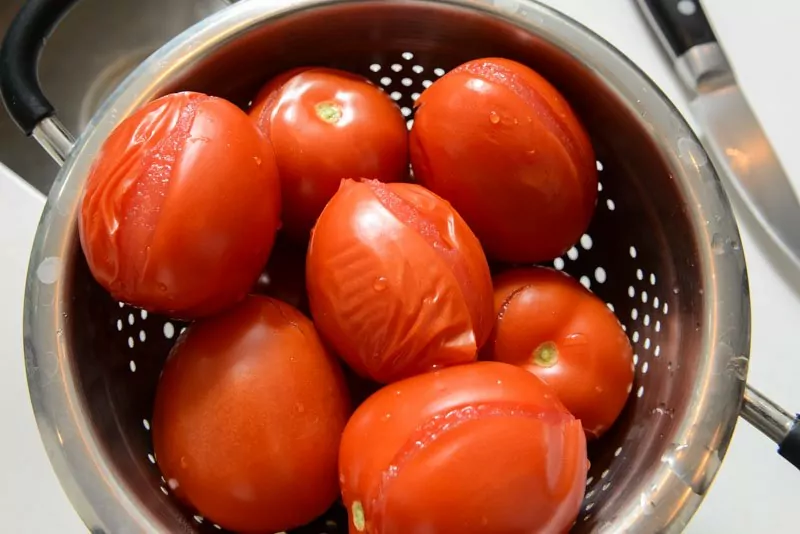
789, 448
682, 23
19, 61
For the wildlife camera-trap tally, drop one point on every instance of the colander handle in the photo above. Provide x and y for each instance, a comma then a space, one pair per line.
773, 421
19, 80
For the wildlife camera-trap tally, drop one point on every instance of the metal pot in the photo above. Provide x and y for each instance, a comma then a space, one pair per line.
663, 250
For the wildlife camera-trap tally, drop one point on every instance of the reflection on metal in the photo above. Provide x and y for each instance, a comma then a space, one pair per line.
54, 138
766, 416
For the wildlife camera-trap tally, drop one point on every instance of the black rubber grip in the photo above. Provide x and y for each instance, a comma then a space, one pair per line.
19, 61
682, 23
790, 446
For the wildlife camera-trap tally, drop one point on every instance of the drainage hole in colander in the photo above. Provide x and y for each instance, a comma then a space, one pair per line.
169, 330
572, 253
601, 277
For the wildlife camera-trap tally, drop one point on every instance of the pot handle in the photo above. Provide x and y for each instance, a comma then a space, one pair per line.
774, 422
19, 80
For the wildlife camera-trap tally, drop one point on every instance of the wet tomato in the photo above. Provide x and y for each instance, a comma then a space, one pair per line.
552, 326
326, 125
181, 206
397, 282
501, 144
248, 416
478, 448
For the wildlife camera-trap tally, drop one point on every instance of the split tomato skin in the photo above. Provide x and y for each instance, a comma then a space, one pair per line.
248, 416
326, 125
397, 282
551, 325
180, 209
480, 448
499, 142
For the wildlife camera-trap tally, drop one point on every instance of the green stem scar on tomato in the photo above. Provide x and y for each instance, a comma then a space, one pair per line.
329, 112
359, 521
546, 354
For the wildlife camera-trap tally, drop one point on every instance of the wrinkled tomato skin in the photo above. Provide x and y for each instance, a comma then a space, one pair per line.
500, 143
358, 133
181, 207
248, 416
479, 448
397, 282
540, 309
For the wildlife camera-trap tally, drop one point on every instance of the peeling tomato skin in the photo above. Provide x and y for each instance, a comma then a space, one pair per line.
391, 302
358, 132
508, 456
593, 371
500, 143
181, 207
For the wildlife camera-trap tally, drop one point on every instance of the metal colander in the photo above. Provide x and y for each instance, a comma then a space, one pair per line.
663, 251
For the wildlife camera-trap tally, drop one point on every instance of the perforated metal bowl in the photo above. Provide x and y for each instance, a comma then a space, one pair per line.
663, 250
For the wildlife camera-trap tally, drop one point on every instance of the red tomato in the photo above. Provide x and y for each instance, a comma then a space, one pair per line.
499, 143
479, 448
326, 125
181, 206
248, 416
397, 282
261, 108
552, 326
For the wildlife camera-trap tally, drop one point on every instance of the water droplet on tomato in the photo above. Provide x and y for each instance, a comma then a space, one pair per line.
494, 118
300, 408
162, 287
257, 160
380, 283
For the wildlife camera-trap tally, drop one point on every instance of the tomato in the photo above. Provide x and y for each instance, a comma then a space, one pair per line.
552, 326
181, 206
326, 125
248, 416
397, 282
478, 448
261, 107
501, 144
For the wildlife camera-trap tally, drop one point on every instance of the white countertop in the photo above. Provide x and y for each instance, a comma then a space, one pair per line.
755, 491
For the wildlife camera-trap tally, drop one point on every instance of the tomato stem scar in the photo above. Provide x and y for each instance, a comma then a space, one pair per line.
358, 516
330, 112
546, 354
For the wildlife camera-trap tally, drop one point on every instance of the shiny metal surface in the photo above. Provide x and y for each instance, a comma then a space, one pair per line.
90, 52
704, 68
663, 238
54, 138
749, 165
769, 418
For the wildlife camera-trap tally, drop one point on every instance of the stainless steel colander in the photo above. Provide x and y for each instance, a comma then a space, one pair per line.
663, 251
